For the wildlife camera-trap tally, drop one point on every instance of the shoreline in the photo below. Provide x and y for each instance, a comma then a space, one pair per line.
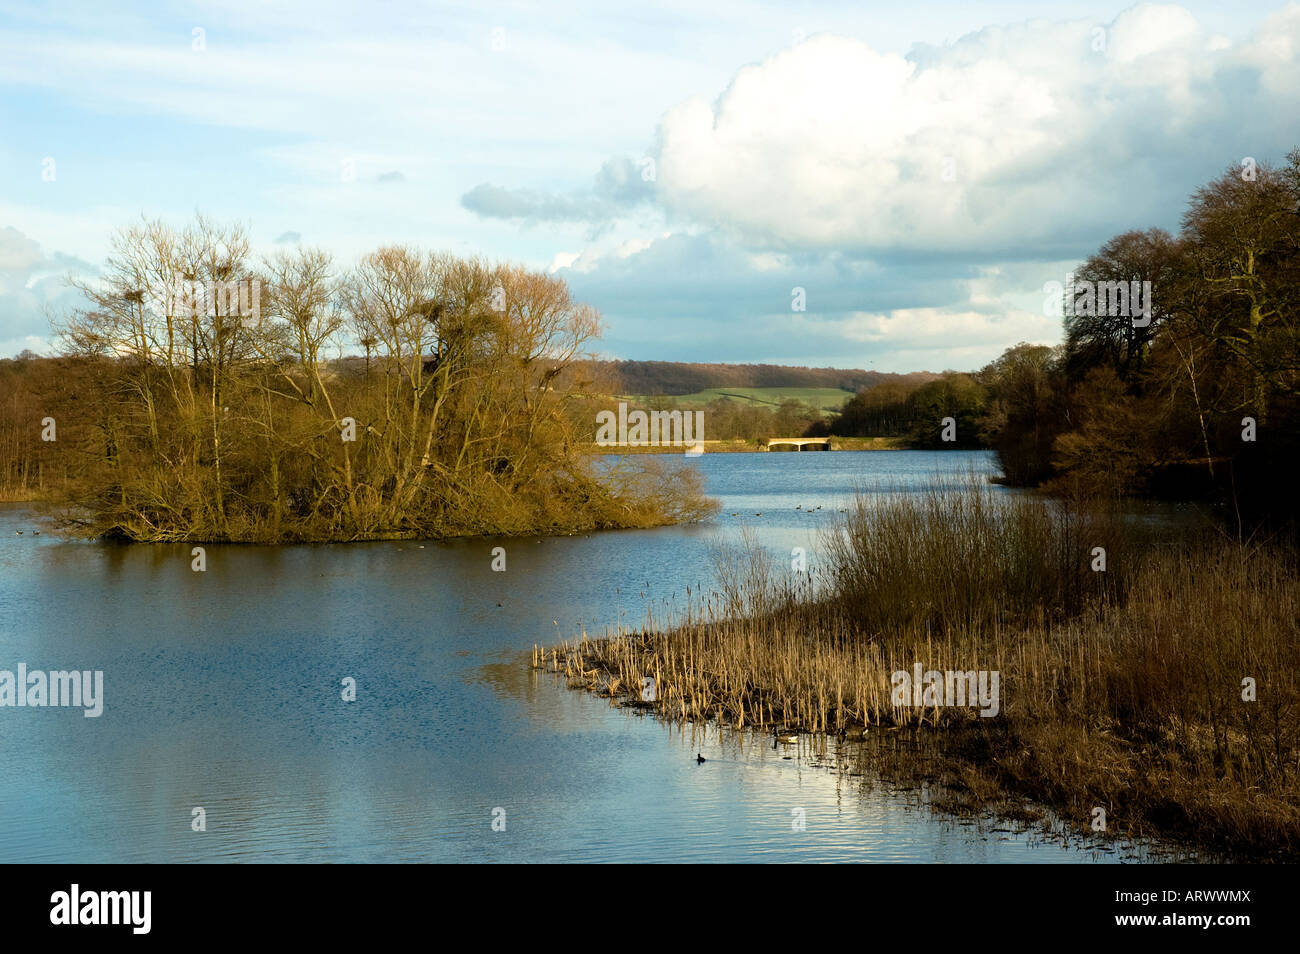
56, 532
755, 446
1138, 682
964, 771
901, 757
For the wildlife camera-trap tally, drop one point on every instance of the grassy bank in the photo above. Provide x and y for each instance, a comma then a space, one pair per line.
1120, 689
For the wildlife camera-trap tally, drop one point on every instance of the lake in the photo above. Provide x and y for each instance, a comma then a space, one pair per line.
223, 690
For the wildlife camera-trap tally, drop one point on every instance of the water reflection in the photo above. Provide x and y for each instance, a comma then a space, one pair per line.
223, 690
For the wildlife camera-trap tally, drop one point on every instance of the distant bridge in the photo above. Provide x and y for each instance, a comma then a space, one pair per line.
800, 443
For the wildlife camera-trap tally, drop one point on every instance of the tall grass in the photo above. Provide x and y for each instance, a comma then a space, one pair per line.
1120, 688
963, 555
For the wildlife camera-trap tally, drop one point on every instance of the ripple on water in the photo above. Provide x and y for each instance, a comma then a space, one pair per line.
222, 690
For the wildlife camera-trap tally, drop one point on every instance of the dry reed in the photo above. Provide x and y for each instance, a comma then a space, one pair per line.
1121, 689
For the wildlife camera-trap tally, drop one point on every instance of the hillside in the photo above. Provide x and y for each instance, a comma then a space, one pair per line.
824, 399
675, 378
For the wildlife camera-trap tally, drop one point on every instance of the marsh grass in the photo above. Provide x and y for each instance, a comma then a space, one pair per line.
1120, 689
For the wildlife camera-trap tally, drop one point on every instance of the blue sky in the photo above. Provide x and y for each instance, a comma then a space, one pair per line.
921, 169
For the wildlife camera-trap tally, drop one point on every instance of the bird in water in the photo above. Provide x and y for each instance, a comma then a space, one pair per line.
784, 736
700, 759
19, 532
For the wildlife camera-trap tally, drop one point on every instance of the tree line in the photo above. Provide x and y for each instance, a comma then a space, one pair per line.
1179, 375
677, 377
1199, 396
916, 412
201, 395
185, 414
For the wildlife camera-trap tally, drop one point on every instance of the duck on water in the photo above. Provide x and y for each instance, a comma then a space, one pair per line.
784, 736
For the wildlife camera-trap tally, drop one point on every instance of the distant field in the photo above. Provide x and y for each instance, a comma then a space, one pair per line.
828, 399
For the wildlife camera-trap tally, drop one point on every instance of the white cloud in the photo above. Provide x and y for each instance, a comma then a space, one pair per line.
704, 298
947, 329
1011, 137
32, 287
562, 260
18, 256
823, 165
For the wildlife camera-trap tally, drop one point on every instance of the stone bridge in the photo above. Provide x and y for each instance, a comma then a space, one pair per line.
800, 443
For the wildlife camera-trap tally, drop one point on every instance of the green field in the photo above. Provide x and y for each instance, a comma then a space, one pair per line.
828, 399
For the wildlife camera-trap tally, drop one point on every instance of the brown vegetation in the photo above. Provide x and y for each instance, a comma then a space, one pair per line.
1127, 407
1120, 689
198, 400
676, 377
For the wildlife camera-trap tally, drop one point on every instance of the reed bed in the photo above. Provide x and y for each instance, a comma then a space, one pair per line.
1121, 689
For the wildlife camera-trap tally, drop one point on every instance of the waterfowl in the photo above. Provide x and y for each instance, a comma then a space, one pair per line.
854, 733
19, 532
700, 759
784, 736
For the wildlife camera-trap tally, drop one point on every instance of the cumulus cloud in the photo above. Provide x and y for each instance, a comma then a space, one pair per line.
620, 185
1033, 139
33, 287
921, 201
18, 256
624, 182
702, 297
947, 329
497, 202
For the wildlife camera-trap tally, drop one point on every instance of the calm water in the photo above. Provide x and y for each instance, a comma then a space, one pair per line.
222, 690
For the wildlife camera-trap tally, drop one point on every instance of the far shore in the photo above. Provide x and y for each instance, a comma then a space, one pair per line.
22, 495
752, 445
